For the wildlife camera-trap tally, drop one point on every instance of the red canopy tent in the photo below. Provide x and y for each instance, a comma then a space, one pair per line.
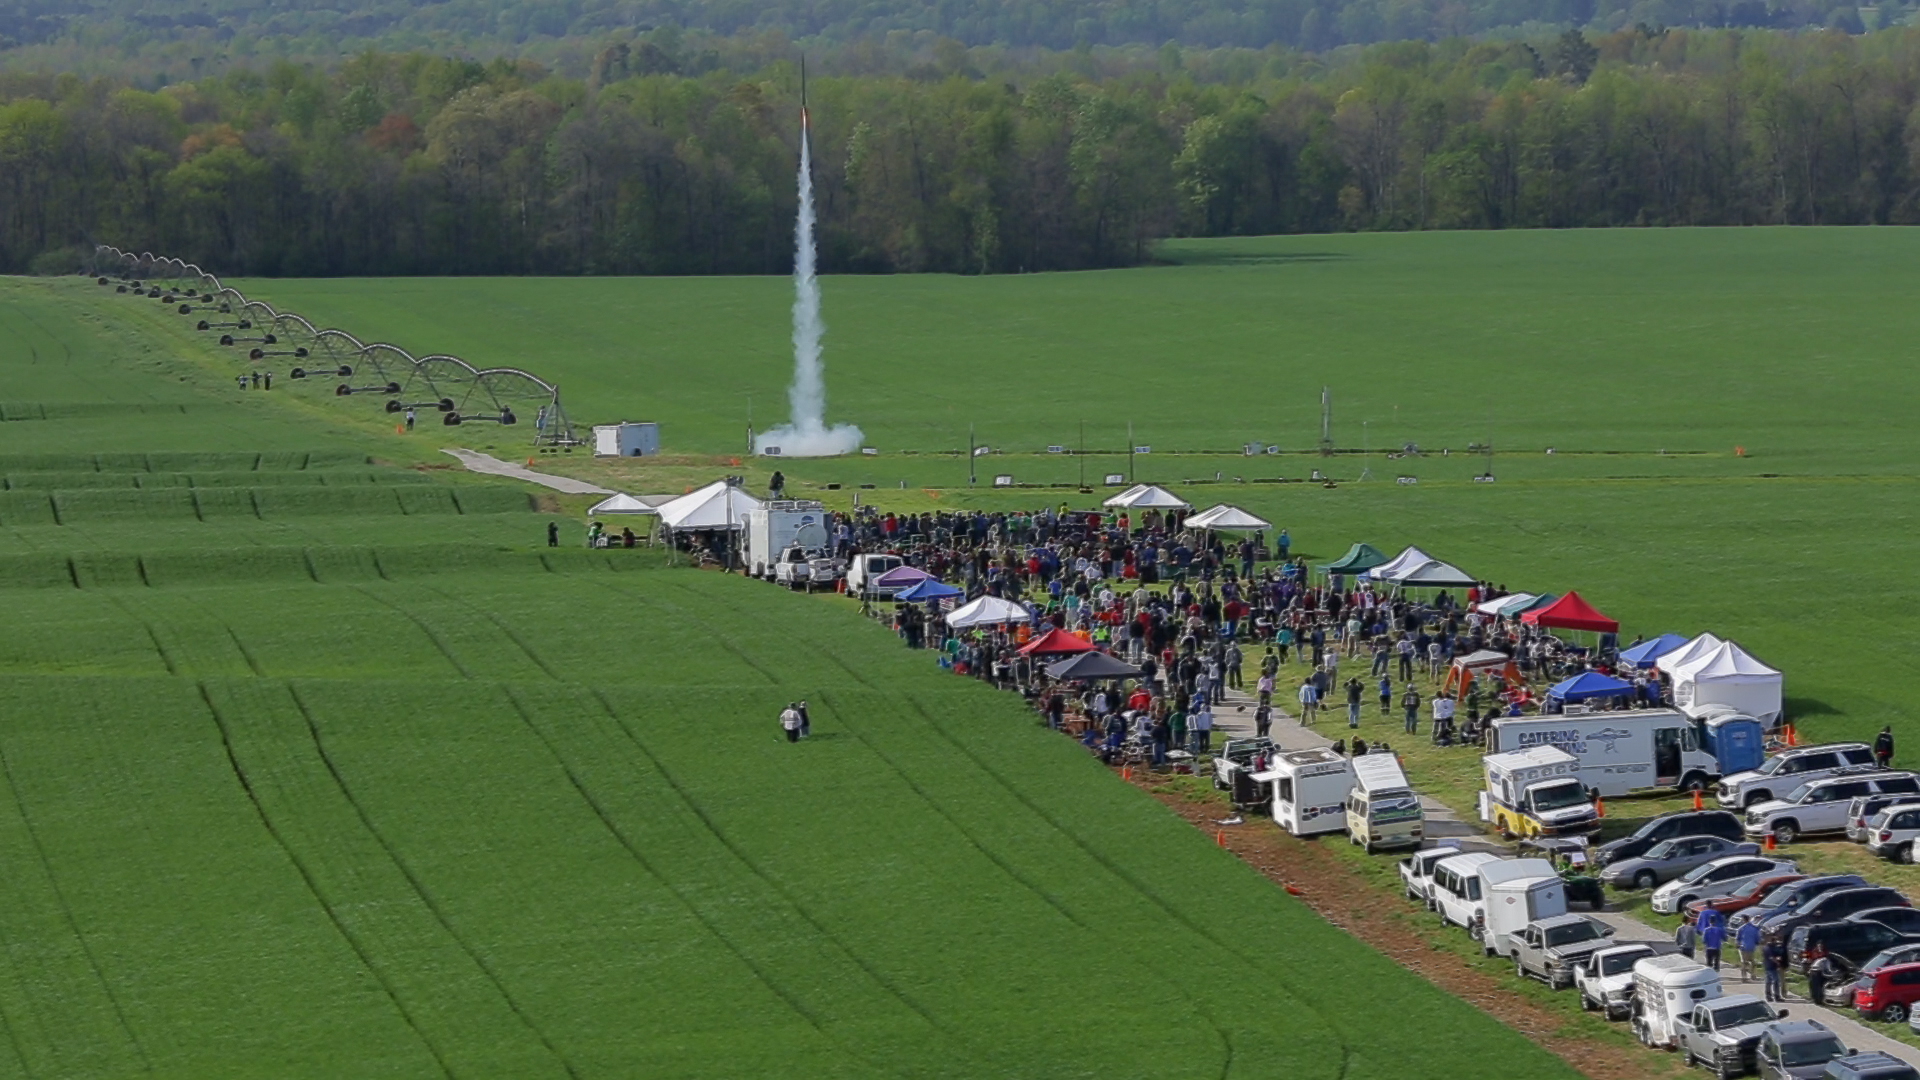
1571, 613
1055, 643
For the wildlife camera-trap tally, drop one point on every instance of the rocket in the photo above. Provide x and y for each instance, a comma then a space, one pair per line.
805, 124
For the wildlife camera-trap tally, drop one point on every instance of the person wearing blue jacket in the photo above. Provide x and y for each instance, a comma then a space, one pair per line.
1747, 940
1712, 936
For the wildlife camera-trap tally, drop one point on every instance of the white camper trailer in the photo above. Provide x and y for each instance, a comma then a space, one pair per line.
779, 524
1309, 787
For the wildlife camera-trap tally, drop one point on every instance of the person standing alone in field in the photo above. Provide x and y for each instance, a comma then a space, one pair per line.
409, 419
790, 721
1883, 747
553, 534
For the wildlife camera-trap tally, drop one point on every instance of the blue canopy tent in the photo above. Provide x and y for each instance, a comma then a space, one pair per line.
1590, 684
1645, 653
928, 589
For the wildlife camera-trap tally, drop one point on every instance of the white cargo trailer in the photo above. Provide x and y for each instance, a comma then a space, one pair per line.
779, 524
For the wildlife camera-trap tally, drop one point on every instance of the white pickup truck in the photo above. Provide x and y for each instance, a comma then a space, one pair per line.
1236, 755
798, 568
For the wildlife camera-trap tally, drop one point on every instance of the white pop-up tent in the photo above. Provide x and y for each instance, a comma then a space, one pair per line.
629, 504
1729, 676
1672, 662
1147, 497
1410, 559
987, 611
719, 505
1502, 604
1227, 519
1434, 574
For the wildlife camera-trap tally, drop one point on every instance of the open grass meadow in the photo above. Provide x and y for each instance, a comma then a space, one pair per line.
315, 761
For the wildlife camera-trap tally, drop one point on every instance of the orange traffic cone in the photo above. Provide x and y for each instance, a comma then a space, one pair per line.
399, 429
1599, 806
1793, 739
1769, 844
529, 461
1220, 837
1126, 772
1696, 800
1293, 890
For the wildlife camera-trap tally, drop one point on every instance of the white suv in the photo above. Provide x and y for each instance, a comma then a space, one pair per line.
1819, 806
1892, 832
1788, 770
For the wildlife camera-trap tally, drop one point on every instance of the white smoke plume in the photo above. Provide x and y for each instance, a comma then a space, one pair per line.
806, 434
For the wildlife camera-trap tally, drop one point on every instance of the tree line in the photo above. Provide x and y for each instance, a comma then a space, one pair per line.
418, 164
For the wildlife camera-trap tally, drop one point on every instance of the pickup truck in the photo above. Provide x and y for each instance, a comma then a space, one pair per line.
797, 568
1417, 868
1720, 1035
1237, 754
1550, 949
1605, 978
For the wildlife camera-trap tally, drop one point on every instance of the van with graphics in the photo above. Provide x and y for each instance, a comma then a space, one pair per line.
1383, 811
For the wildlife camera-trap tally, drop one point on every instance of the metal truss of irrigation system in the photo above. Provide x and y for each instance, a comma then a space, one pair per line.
442, 383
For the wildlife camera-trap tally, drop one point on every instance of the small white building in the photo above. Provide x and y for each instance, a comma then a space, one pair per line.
626, 439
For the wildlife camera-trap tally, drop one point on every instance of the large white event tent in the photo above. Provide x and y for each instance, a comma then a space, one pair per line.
1729, 676
1686, 654
987, 611
719, 505
1227, 519
1147, 497
1410, 559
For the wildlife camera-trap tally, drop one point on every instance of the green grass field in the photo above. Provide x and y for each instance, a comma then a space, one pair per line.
318, 763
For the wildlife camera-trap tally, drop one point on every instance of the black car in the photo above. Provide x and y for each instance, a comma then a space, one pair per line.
1719, 823
1854, 943
1832, 907
1906, 920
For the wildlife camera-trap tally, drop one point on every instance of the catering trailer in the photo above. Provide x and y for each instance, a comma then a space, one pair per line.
1642, 749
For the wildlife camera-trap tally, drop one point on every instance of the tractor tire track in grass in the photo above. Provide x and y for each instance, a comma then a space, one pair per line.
1236, 956
152, 636
511, 634
300, 867
1340, 895
419, 888
826, 933
791, 1000
688, 616
72, 923
424, 628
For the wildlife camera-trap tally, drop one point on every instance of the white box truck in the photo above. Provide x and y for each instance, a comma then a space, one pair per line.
1515, 902
778, 525
1383, 811
1641, 749
1536, 792
1309, 788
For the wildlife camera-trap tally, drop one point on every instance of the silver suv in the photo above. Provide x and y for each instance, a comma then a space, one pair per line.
1820, 805
1788, 770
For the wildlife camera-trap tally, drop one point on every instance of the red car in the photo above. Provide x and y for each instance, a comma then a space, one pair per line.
1888, 994
1743, 899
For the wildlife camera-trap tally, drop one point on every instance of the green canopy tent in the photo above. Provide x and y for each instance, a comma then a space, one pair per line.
1359, 559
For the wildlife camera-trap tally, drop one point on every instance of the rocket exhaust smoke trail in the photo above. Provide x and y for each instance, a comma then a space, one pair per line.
805, 434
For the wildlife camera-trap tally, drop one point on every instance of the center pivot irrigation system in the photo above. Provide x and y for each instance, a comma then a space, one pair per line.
458, 391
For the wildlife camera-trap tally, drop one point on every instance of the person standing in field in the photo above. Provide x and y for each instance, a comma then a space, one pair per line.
790, 722
1203, 729
1712, 936
1404, 648
553, 534
1233, 666
1355, 690
1309, 701
1386, 694
1410, 703
1748, 941
409, 419
806, 722
1773, 957
1883, 747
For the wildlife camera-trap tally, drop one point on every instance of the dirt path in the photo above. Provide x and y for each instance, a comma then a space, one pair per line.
475, 461
1349, 901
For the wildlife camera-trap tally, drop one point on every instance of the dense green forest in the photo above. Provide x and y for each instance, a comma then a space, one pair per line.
184, 38
411, 163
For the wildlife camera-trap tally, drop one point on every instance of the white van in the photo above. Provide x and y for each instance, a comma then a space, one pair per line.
1666, 988
1457, 892
862, 569
1383, 811
1493, 926
1308, 789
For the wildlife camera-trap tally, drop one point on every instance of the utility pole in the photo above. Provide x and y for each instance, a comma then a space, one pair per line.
1366, 452
1082, 455
970, 477
1129, 453
1326, 422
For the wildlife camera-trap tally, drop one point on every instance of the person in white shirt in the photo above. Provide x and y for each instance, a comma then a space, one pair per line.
790, 722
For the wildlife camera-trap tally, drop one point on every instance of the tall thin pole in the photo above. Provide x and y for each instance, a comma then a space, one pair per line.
1082, 455
970, 477
1129, 452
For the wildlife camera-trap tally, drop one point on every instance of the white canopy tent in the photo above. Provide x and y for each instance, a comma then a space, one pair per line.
1227, 518
1502, 604
1410, 559
1729, 676
1434, 574
629, 504
1147, 497
1672, 662
719, 505
987, 611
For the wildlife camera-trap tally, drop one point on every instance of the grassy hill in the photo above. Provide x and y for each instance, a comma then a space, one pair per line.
315, 765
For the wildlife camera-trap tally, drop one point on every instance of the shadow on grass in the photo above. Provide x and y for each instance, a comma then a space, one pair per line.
1799, 708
